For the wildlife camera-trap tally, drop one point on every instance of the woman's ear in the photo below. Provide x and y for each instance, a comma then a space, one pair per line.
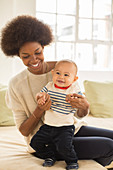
76, 77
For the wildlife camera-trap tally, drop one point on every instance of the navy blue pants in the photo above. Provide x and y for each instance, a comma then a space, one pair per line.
91, 143
49, 138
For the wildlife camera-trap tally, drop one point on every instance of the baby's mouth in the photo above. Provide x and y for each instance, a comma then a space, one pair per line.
60, 81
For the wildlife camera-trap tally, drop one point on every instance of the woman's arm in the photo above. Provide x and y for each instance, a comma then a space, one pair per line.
79, 102
29, 125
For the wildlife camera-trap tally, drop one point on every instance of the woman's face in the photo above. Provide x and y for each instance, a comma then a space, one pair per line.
32, 56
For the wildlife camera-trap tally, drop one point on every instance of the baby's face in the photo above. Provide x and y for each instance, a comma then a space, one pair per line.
64, 74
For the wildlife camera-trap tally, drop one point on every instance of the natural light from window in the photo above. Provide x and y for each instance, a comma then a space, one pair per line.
82, 29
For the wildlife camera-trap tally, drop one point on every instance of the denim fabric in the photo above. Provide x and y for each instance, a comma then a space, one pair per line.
48, 139
89, 143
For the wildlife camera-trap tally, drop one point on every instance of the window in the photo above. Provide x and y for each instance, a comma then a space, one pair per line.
83, 31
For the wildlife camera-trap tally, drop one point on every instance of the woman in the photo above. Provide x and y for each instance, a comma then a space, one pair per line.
25, 37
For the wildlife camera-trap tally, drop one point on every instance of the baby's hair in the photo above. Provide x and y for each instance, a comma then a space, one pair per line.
24, 29
67, 61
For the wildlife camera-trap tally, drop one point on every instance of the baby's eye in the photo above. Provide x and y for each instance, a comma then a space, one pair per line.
57, 73
66, 74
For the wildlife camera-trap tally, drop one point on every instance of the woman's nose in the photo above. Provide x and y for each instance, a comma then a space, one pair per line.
33, 57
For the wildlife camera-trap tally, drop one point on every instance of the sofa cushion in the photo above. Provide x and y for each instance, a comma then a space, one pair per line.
15, 156
6, 115
100, 97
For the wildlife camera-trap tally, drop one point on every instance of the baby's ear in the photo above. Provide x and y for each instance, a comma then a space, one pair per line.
76, 77
52, 71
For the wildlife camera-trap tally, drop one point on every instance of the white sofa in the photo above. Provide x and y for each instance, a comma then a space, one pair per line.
14, 156
13, 153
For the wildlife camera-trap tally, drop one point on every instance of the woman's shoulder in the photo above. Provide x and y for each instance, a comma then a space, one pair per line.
18, 78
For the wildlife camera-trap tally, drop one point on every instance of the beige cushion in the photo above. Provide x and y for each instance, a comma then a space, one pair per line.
6, 115
100, 97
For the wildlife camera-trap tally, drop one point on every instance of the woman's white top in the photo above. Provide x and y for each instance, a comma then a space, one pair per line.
20, 97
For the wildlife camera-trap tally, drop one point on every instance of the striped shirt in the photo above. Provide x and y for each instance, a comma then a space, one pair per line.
59, 103
59, 106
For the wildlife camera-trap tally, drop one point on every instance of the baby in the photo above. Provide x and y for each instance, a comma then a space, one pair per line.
58, 127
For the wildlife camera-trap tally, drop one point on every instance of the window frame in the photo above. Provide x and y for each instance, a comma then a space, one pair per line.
93, 42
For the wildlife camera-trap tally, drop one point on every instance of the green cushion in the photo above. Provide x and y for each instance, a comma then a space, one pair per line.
6, 115
100, 97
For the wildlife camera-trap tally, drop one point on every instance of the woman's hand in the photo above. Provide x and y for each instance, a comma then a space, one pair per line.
28, 126
79, 102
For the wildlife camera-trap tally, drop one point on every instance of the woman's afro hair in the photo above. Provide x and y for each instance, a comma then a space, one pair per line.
24, 29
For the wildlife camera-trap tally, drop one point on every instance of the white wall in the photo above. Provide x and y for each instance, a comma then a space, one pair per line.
8, 68
12, 8
8, 10
94, 76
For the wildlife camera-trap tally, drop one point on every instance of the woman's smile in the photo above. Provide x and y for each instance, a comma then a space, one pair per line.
35, 66
32, 56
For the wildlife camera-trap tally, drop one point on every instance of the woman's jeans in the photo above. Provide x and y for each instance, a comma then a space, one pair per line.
94, 143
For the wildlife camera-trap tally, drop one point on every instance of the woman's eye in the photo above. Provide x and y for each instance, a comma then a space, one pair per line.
27, 56
38, 53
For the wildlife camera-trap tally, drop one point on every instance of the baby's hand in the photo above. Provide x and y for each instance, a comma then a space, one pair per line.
41, 98
69, 96
41, 101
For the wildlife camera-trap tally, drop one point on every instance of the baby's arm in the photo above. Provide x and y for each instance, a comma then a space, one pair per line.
41, 98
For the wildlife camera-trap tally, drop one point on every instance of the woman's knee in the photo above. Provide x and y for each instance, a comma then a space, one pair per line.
107, 155
108, 144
